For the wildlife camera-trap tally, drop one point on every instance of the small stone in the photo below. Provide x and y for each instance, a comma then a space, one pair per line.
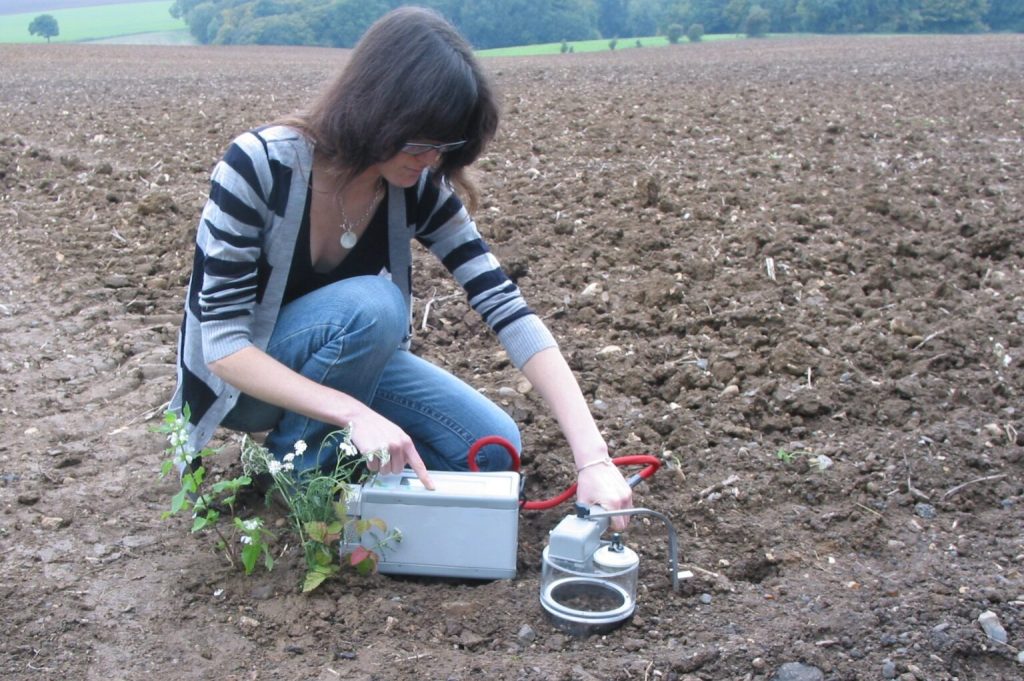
926, 511
151, 371
994, 429
633, 645
758, 664
28, 499
990, 624
247, 622
154, 204
526, 634
795, 671
116, 281
1020, 657
53, 522
262, 593
705, 599
888, 669
556, 642
730, 391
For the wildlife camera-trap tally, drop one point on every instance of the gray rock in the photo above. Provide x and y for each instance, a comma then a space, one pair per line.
527, 634
705, 599
990, 624
926, 511
795, 671
888, 669
116, 281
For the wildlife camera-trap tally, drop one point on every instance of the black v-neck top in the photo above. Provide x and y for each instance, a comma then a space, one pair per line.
369, 256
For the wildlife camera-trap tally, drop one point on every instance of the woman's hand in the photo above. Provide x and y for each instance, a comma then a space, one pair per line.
603, 484
255, 372
387, 447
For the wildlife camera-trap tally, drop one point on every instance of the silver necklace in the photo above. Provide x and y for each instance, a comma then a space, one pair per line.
348, 238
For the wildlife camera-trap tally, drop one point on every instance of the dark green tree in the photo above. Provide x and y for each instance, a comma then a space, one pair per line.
736, 13
203, 22
758, 22
341, 23
953, 15
645, 16
500, 23
1005, 15
710, 13
612, 17
276, 29
45, 26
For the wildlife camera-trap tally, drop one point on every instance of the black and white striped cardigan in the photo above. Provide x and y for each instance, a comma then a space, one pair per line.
244, 247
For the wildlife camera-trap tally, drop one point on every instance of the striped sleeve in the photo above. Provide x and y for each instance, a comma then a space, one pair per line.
446, 228
230, 239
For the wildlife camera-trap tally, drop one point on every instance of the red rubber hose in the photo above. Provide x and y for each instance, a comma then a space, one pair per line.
651, 465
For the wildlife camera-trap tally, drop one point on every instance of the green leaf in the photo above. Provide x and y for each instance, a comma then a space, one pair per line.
314, 578
316, 575
199, 523
379, 524
317, 531
250, 554
321, 556
178, 500
367, 565
232, 485
166, 468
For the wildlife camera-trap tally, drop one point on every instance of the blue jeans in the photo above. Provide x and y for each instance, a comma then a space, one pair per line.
347, 335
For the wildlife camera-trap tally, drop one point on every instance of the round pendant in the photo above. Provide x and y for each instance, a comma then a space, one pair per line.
348, 240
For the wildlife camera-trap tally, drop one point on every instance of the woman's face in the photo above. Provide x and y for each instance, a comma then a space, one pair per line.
404, 170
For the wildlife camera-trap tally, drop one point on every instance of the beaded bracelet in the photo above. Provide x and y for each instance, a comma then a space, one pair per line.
595, 462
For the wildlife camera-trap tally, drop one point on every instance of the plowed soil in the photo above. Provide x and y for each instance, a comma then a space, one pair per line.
792, 268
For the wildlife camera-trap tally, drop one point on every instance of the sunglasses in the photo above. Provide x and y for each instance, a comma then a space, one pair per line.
418, 148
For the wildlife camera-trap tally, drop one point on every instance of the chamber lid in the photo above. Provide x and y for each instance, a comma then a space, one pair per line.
611, 559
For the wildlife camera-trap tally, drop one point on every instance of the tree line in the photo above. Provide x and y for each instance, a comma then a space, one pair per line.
501, 23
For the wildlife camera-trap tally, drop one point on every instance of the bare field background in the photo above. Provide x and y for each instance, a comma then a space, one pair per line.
755, 255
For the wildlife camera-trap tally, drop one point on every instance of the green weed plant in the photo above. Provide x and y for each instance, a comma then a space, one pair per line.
316, 502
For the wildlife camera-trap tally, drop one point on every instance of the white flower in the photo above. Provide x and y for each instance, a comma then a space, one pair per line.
274, 467
251, 525
245, 539
380, 454
300, 447
346, 450
289, 457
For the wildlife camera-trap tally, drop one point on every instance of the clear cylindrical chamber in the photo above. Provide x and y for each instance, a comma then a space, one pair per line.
590, 599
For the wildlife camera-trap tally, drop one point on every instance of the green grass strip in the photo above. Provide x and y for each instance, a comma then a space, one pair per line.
599, 45
93, 23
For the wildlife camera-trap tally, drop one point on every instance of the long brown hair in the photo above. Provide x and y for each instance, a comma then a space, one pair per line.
410, 77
